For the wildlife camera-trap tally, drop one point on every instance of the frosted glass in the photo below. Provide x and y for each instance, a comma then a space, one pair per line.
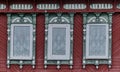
97, 40
58, 41
21, 41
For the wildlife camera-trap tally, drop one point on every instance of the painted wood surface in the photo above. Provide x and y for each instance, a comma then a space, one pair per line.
77, 56
61, 3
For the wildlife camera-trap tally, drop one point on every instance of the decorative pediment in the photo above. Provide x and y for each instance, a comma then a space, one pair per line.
21, 18
97, 36
97, 18
59, 19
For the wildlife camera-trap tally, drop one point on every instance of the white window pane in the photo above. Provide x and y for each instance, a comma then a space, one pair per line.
21, 41
58, 41
97, 41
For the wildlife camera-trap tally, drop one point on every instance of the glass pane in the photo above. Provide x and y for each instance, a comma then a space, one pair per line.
97, 40
21, 41
58, 41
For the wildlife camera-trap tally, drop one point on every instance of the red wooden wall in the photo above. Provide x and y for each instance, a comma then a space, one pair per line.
77, 66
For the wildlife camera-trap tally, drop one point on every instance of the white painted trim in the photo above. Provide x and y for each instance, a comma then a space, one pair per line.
101, 6
104, 19
26, 18
55, 18
63, 18
48, 6
74, 6
87, 42
2, 6
31, 42
21, 6
17, 18
118, 6
92, 18
67, 49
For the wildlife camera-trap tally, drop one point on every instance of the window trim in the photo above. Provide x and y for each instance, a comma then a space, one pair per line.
97, 18
21, 18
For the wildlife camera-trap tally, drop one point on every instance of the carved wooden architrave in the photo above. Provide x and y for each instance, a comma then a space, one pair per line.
20, 20
95, 19
58, 19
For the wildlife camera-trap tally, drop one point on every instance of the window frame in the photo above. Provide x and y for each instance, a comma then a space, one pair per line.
97, 18
67, 48
23, 19
62, 19
11, 42
87, 43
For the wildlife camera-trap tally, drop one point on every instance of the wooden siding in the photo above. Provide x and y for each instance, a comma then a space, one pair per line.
77, 56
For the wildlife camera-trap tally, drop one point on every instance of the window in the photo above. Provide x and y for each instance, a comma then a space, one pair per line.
21, 39
97, 39
58, 42
58, 39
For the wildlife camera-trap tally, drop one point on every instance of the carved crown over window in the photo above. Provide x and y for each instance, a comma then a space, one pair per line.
97, 39
21, 18
97, 18
59, 19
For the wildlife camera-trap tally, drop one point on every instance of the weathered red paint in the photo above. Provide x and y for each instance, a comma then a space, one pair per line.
77, 67
77, 56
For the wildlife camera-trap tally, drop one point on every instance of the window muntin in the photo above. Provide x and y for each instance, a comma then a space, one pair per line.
58, 39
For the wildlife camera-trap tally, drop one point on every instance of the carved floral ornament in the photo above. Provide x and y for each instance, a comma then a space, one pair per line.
57, 6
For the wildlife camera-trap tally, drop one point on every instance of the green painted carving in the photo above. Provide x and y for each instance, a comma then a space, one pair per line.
97, 18
58, 18
21, 18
